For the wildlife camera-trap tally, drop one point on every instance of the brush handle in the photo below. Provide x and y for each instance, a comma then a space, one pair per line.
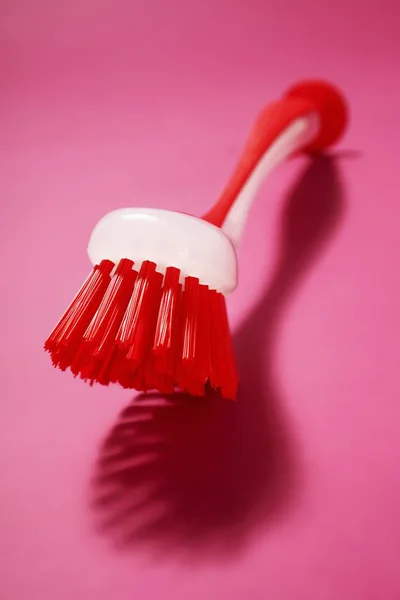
310, 117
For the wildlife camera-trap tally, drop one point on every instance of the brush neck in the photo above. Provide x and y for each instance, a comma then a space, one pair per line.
283, 128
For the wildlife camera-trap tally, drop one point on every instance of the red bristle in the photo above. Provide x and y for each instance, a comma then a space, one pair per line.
168, 312
137, 328
165, 385
166, 337
146, 377
106, 349
189, 341
136, 305
67, 334
105, 376
144, 331
202, 365
106, 321
195, 354
197, 389
100, 342
137, 379
178, 372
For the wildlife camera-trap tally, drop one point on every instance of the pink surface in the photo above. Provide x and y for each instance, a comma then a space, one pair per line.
293, 493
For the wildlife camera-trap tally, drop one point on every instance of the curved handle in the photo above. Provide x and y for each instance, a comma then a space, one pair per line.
311, 117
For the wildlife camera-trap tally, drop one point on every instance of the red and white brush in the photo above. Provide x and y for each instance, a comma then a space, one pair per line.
152, 314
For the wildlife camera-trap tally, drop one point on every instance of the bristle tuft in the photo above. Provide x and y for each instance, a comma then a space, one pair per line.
146, 331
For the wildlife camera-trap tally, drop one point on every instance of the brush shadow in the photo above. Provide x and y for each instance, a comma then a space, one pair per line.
200, 476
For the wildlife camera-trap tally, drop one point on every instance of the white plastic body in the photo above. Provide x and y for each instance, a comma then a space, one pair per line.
170, 239
194, 246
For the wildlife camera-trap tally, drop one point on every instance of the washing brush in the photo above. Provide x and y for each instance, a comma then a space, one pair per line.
152, 313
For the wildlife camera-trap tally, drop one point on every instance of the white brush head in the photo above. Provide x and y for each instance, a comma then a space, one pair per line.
169, 239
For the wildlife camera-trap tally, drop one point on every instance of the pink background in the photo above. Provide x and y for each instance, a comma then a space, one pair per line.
294, 492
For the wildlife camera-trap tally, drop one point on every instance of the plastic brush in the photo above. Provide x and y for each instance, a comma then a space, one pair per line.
152, 313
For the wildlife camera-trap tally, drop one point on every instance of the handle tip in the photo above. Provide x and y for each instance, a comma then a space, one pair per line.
330, 104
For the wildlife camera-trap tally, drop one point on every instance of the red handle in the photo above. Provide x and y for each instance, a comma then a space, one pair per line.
299, 101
